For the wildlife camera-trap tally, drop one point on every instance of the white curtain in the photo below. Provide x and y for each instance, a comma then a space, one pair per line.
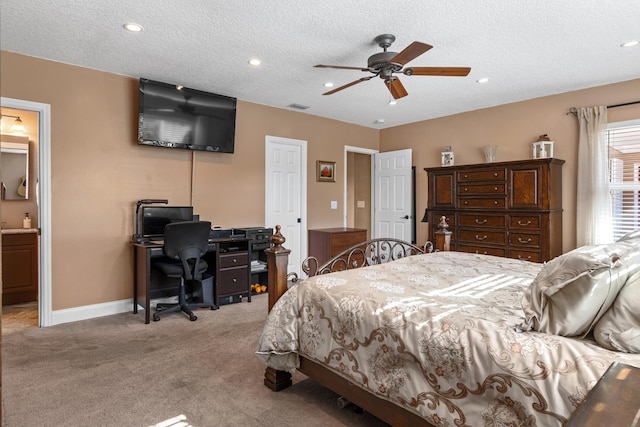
593, 208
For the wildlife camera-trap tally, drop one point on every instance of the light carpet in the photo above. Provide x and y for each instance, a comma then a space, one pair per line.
117, 371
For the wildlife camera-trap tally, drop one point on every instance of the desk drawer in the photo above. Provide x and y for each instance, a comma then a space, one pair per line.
522, 239
487, 203
232, 281
234, 259
482, 175
529, 222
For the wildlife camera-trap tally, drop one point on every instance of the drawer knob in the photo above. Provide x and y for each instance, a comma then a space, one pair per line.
521, 240
466, 189
523, 224
466, 176
466, 203
495, 174
495, 188
495, 203
234, 280
480, 238
525, 259
235, 260
480, 222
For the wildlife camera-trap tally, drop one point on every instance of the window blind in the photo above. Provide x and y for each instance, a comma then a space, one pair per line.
624, 181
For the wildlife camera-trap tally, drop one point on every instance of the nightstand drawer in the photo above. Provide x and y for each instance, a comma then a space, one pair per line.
234, 259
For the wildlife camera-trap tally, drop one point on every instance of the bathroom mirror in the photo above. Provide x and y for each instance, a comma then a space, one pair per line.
14, 170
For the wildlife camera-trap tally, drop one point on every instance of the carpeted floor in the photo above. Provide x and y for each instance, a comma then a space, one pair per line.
117, 371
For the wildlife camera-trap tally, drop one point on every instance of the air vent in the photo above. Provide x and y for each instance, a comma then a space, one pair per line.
297, 106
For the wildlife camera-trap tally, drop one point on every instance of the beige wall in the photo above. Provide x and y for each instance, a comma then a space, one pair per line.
513, 128
99, 171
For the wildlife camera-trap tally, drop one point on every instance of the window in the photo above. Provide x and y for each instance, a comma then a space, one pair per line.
623, 139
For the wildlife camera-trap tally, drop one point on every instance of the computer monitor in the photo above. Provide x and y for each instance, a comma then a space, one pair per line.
154, 218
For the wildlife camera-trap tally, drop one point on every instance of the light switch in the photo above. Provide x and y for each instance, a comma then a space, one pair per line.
334, 204
361, 203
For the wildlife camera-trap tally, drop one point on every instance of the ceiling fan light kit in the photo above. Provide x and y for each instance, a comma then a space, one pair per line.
386, 64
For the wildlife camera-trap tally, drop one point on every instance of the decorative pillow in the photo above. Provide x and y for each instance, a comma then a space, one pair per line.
632, 235
574, 290
619, 327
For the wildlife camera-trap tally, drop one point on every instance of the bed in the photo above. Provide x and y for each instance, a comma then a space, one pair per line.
449, 338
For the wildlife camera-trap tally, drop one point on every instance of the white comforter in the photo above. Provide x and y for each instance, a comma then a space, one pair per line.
438, 334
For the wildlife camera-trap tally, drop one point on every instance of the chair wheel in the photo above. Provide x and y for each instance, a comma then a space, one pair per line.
193, 318
156, 317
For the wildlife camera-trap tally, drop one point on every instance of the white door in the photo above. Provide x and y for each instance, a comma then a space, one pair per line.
392, 195
286, 194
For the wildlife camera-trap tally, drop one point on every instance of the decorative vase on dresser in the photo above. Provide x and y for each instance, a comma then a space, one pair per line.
510, 209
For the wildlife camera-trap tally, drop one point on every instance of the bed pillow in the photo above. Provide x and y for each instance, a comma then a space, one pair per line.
632, 235
619, 327
574, 290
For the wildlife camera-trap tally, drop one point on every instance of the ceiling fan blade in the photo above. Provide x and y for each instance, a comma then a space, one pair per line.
341, 67
410, 52
437, 71
396, 88
348, 85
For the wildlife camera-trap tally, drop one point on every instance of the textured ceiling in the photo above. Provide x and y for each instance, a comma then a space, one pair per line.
527, 48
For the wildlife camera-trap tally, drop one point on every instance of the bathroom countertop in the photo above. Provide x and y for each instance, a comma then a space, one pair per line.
19, 230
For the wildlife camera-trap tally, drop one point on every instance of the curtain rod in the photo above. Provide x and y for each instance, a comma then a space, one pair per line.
574, 110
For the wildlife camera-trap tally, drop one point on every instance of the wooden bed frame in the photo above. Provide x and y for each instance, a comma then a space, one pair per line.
354, 257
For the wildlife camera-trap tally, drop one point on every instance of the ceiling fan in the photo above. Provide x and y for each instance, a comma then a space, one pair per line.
386, 64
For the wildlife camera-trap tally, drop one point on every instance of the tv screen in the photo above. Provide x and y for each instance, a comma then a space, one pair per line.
177, 117
154, 218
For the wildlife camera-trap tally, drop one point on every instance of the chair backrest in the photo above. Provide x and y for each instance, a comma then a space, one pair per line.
187, 240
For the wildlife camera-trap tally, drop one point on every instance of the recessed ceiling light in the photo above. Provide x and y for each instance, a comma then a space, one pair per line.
133, 27
630, 43
328, 84
379, 121
483, 80
392, 102
255, 62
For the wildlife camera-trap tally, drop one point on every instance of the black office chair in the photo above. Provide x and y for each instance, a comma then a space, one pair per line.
184, 245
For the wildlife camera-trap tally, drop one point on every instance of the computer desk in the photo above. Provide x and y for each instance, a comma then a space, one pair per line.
228, 261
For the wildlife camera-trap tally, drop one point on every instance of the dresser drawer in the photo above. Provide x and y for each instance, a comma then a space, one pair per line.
475, 189
482, 250
488, 203
234, 259
528, 222
481, 220
482, 175
481, 236
232, 280
523, 239
533, 256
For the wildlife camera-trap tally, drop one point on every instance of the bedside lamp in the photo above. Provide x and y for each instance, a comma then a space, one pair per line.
138, 237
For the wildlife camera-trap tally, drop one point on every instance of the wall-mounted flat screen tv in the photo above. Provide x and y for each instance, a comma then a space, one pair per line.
178, 117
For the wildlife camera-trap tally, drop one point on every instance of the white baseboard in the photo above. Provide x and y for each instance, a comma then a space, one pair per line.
90, 311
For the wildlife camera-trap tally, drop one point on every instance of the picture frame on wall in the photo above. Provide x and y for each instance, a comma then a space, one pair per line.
325, 171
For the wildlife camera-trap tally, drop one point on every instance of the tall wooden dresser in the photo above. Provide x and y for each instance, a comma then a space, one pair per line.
510, 209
